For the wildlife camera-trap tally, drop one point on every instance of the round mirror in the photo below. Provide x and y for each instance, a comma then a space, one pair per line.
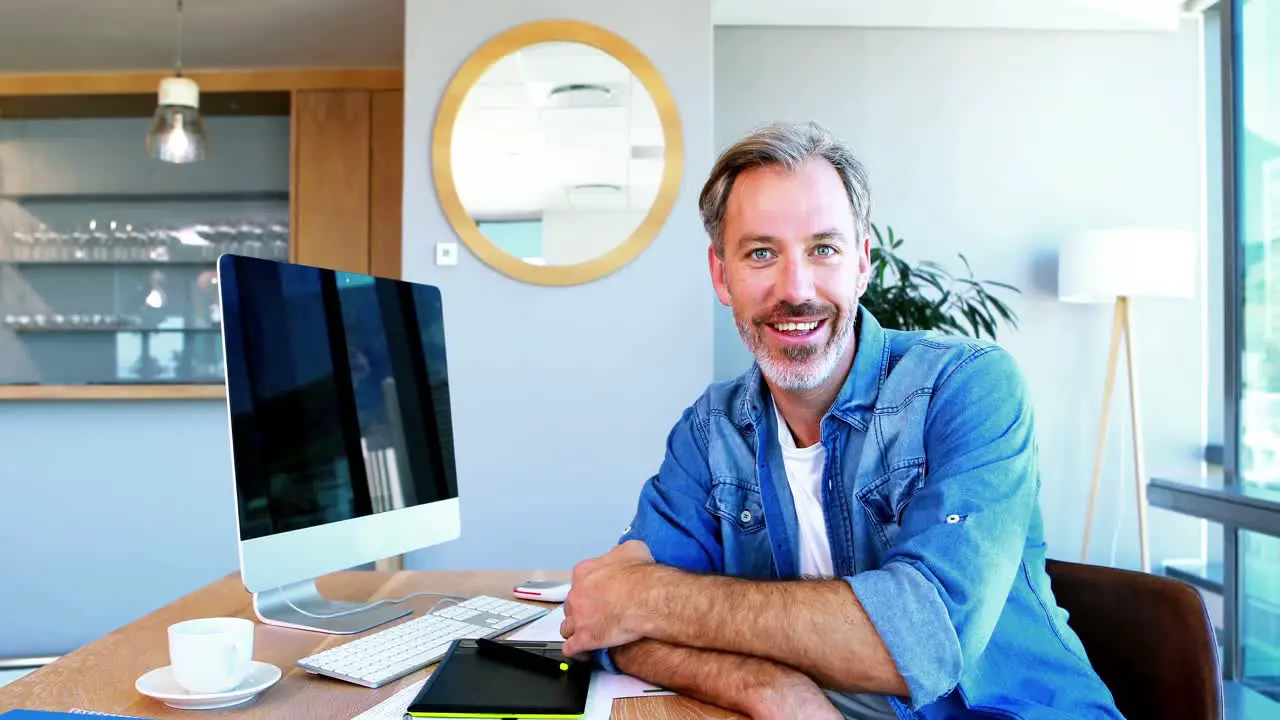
557, 152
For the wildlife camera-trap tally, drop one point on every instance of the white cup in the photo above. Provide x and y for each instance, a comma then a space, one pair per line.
211, 655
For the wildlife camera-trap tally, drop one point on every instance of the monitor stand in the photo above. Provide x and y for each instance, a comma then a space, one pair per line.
295, 605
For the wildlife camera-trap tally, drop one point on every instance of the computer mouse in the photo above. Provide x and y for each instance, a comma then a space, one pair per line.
543, 590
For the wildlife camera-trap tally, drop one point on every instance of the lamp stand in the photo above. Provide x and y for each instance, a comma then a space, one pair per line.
1121, 326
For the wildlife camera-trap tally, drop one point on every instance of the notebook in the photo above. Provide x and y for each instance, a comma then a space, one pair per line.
468, 684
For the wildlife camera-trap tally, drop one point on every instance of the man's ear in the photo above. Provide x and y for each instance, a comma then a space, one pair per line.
719, 279
864, 266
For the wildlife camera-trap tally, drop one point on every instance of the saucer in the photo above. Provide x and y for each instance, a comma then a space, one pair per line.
161, 685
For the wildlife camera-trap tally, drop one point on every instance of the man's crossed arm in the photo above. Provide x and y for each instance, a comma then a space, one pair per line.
815, 627
758, 688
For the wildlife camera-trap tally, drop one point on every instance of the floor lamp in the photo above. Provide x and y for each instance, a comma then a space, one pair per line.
1114, 266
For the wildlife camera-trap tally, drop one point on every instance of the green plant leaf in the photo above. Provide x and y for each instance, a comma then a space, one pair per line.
928, 296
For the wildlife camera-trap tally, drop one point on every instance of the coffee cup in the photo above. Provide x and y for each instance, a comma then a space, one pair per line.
211, 655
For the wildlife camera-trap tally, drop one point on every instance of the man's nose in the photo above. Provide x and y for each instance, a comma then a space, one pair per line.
795, 284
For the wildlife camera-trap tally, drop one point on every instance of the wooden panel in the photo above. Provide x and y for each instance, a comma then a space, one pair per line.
331, 179
209, 81
111, 392
138, 105
386, 183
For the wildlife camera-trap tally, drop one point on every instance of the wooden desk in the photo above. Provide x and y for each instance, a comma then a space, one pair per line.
100, 676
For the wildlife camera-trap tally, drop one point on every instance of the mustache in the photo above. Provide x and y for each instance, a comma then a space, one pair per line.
785, 311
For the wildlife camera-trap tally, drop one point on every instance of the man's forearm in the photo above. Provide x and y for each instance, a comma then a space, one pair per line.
752, 686
816, 627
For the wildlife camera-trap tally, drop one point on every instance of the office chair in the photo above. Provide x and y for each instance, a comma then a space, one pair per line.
1149, 638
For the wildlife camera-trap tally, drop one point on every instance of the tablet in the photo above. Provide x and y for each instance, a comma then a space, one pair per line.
468, 684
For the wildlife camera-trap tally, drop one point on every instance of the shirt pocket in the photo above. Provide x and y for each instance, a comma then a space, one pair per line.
885, 500
738, 506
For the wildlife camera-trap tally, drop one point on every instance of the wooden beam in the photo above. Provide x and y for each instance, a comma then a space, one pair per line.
147, 81
331, 179
111, 392
386, 185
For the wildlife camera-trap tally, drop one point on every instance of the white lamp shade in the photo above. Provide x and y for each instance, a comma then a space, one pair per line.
1101, 265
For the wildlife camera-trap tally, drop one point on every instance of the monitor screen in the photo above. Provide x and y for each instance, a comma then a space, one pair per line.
338, 393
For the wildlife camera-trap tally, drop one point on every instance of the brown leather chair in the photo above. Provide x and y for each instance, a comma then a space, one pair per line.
1149, 637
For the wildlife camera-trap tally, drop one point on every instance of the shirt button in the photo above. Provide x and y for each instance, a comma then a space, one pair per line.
953, 519
746, 516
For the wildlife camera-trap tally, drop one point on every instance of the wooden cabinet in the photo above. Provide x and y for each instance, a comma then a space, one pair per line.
104, 281
347, 179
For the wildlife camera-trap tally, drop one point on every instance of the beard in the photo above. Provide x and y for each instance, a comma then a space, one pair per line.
803, 367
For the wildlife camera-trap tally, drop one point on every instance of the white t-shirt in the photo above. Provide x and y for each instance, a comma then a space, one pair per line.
804, 475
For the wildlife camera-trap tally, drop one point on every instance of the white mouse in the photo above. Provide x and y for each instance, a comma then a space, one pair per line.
543, 590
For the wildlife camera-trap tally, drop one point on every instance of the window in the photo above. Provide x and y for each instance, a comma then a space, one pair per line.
1251, 52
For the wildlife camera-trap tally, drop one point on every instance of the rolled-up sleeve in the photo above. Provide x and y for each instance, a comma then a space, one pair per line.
671, 515
944, 583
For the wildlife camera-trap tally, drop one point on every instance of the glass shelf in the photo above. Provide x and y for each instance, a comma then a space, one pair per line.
108, 280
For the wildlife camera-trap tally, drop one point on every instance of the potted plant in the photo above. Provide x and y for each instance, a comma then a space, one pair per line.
928, 297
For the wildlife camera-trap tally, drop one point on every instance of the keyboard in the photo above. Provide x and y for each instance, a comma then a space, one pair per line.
380, 657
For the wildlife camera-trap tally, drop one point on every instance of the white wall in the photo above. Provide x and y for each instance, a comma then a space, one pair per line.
562, 397
998, 144
575, 236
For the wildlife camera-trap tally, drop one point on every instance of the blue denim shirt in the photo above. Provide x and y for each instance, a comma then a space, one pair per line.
931, 496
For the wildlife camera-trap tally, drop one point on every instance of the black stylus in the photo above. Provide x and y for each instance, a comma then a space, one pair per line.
520, 657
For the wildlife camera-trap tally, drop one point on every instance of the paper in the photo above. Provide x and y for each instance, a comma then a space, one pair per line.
544, 629
394, 707
624, 686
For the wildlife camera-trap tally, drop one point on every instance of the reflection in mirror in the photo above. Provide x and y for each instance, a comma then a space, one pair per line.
557, 153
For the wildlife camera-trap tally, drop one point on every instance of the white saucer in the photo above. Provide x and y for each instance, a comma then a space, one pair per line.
161, 685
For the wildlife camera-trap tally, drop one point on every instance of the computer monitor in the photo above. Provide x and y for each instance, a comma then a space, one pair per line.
341, 437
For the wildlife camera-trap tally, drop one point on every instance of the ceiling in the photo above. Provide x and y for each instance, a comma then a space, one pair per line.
557, 126
76, 35
103, 35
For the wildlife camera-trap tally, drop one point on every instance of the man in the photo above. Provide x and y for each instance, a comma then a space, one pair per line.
854, 522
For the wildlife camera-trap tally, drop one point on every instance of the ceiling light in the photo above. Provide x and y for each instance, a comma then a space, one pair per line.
597, 189
177, 132
577, 94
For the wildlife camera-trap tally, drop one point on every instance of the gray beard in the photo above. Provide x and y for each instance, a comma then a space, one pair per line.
799, 368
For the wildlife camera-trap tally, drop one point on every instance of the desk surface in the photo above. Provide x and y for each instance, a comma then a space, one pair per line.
100, 676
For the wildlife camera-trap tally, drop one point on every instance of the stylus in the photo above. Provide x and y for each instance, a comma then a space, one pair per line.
520, 657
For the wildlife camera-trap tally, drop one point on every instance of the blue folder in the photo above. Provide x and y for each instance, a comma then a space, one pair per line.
51, 715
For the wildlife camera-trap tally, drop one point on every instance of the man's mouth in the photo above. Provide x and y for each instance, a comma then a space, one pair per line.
797, 328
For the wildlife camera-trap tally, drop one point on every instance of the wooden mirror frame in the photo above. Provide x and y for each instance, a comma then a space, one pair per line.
442, 151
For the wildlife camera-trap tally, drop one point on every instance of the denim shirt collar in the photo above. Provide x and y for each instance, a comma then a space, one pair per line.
857, 397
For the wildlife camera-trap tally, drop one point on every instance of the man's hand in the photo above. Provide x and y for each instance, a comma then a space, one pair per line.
794, 696
598, 609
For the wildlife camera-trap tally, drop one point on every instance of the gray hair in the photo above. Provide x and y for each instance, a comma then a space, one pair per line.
786, 145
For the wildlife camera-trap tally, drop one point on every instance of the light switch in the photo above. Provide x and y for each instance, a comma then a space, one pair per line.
447, 253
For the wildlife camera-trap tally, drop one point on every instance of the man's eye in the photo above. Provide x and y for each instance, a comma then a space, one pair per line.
760, 254
825, 250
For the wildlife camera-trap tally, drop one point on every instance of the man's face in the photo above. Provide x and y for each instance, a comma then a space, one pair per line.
793, 270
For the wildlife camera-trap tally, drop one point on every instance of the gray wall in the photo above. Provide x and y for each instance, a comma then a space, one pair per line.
998, 144
562, 397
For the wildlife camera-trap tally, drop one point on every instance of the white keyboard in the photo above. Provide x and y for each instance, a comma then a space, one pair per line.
380, 657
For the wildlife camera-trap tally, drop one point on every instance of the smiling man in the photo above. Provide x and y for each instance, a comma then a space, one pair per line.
852, 527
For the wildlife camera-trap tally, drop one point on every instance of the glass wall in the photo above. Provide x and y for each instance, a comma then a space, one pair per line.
1253, 312
1257, 150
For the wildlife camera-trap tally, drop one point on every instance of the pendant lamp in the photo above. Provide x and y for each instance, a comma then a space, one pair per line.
177, 133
